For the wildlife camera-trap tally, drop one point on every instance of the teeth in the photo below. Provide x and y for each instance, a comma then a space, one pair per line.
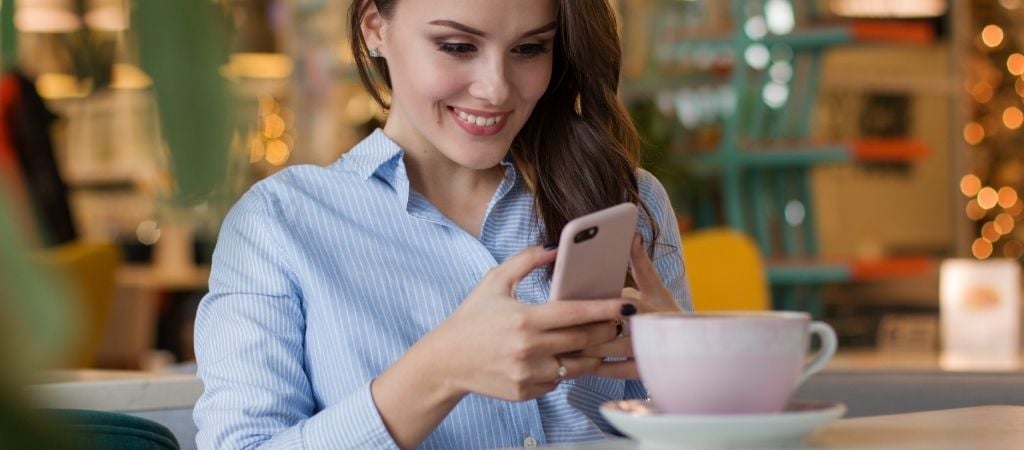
479, 120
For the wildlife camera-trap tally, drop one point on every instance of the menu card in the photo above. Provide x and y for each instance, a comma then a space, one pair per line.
980, 314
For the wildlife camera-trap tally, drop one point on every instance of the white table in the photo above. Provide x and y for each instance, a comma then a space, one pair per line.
978, 428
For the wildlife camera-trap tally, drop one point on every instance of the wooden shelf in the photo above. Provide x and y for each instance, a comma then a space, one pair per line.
151, 277
889, 150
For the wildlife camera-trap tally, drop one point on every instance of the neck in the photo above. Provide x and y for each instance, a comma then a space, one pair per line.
438, 178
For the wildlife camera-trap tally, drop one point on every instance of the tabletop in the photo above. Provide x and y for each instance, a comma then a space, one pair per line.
983, 427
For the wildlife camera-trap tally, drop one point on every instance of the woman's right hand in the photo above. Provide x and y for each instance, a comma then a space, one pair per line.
493, 345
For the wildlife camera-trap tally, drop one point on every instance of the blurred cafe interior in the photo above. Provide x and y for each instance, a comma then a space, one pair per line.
859, 160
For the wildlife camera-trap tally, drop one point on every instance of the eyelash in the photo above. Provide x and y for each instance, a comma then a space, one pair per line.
462, 50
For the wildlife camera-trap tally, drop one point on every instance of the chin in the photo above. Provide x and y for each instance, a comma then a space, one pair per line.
476, 153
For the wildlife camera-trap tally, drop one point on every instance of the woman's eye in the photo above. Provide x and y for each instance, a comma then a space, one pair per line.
457, 49
531, 49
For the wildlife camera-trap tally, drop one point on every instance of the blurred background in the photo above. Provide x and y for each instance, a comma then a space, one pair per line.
853, 144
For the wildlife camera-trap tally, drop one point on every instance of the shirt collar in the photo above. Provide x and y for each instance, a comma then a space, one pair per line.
375, 154
379, 155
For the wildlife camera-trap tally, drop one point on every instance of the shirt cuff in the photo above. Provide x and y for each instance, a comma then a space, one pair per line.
353, 423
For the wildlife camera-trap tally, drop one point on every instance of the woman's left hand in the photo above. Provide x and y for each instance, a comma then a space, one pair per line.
650, 296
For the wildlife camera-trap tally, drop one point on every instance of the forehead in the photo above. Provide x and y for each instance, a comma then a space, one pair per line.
497, 16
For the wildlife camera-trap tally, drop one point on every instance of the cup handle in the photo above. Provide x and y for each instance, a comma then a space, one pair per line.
829, 342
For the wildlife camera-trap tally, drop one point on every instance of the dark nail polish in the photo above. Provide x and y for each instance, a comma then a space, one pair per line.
628, 309
551, 247
618, 329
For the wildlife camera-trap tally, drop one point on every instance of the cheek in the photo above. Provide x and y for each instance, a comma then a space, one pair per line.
419, 77
437, 83
429, 80
533, 81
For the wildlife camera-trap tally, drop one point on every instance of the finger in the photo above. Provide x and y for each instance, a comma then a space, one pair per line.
631, 293
646, 277
623, 370
578, 338
618, 347
503, 278
569, 313
576, 366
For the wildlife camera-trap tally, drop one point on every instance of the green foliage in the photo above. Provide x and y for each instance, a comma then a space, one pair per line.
183, 45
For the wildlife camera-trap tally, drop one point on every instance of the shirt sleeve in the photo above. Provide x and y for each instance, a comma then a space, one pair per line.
668, 253
249, 338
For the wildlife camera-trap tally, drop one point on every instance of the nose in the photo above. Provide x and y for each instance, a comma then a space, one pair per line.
492, 82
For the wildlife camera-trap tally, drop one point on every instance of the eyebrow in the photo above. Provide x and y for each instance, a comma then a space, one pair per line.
467, 29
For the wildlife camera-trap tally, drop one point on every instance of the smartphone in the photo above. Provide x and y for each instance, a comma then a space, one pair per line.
593, 254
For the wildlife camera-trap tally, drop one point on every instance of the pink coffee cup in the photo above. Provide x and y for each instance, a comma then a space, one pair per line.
726, 362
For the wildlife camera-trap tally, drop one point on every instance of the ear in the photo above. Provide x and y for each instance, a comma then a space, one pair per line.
373, 27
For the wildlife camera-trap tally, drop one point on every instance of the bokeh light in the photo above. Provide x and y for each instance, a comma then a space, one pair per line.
1007, 196
277, 152
1004, 223
982, 92
992, 35
1013, 249
1015, 63
981, 248
970, 184
988, 198
974, 210
1013, 117
989, 232
974, 133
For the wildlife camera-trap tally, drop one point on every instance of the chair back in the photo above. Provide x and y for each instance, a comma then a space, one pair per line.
89, 270
725, 271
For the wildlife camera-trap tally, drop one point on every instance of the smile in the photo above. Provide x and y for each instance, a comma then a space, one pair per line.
479, 123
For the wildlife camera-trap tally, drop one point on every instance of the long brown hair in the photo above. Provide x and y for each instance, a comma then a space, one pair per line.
578, 151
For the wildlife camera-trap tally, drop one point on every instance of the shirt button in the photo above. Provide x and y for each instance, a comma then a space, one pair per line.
529, 442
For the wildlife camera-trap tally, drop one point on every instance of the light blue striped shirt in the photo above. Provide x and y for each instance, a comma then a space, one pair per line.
324, 276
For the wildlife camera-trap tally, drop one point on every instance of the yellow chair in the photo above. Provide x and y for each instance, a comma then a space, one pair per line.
88, 270
725, 271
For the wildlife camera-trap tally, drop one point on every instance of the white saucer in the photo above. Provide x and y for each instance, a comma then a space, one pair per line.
639, 420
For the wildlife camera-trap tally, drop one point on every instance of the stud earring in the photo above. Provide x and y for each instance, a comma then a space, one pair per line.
374, 53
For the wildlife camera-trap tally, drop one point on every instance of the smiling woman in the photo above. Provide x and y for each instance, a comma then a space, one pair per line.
399, 297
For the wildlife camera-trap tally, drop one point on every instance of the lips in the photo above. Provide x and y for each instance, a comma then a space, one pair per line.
479, 123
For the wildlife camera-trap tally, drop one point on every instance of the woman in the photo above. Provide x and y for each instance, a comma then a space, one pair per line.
398, 298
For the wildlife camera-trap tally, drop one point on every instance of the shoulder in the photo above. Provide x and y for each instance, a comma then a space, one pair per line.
652, 192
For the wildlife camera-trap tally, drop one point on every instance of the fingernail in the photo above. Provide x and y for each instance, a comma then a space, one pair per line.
551, 247
618, 329
628, 309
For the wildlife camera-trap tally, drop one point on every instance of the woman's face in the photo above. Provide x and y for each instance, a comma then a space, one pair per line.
465, 74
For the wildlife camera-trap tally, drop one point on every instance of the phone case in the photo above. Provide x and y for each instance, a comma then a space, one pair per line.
593, 254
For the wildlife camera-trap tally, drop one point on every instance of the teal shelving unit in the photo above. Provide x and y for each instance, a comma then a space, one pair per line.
768, 72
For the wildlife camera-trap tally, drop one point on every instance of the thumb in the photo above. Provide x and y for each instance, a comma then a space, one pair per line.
503, 278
